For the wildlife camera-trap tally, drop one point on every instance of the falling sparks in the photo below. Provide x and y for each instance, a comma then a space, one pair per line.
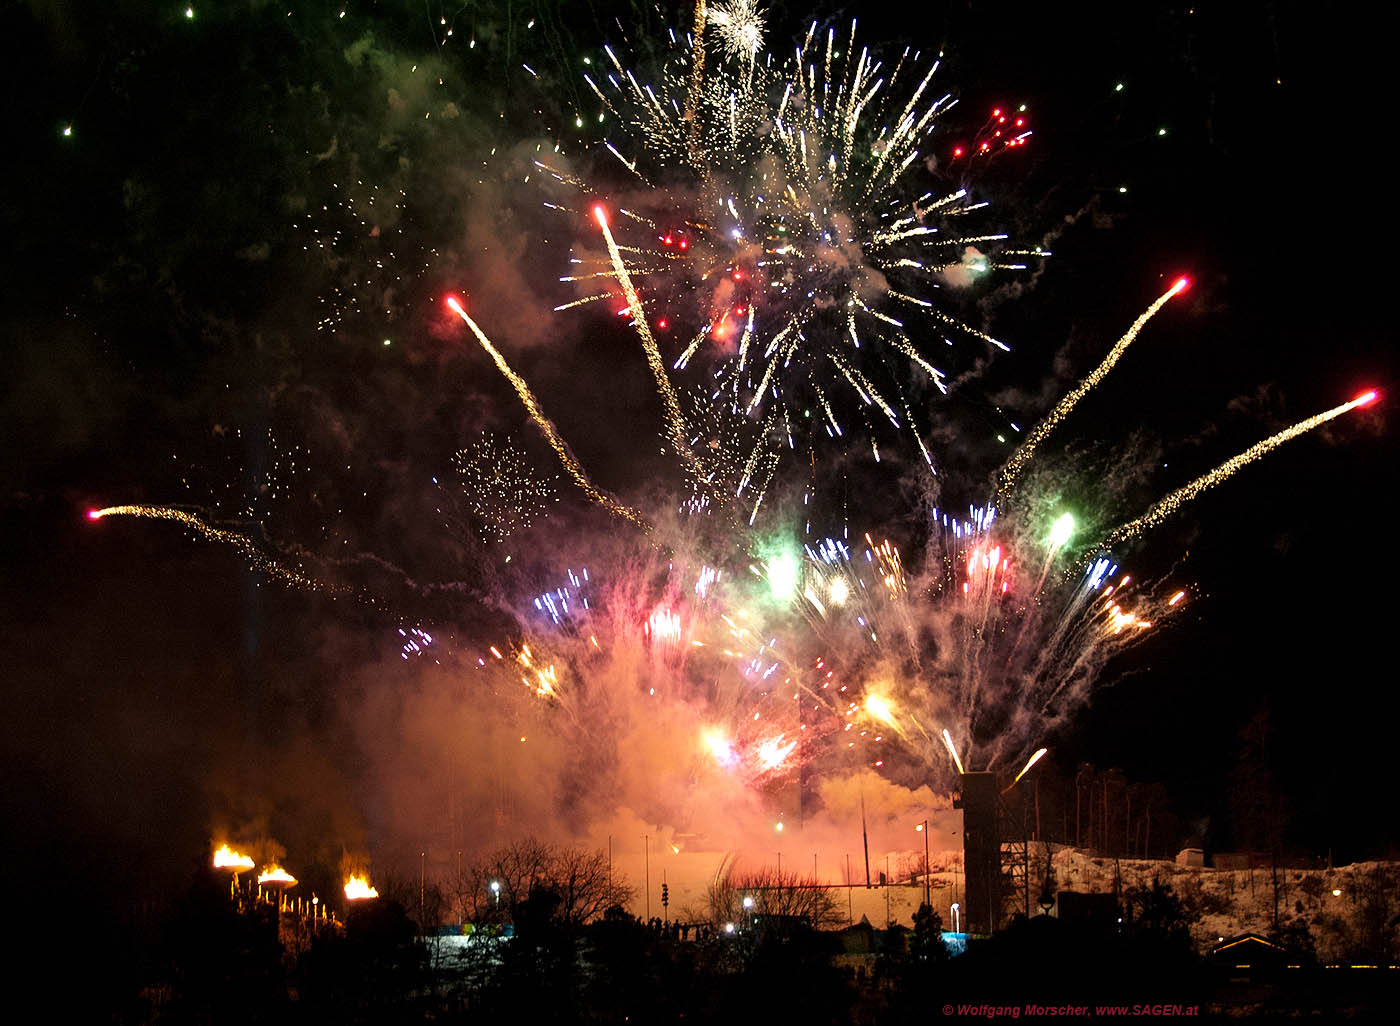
501, 488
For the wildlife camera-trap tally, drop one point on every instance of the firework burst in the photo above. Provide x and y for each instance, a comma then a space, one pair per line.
501, 488
789, 235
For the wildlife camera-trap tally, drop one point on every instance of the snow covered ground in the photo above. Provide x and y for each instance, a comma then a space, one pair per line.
1342, 908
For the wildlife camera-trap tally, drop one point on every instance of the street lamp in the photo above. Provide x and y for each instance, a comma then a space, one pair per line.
956, 926
496, 890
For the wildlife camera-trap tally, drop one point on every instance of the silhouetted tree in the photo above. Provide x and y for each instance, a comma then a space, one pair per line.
926, 945
771, 893
225, 962
374, 972
579, 880
1156, 914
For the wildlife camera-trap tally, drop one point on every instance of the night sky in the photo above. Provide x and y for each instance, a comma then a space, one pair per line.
192, 303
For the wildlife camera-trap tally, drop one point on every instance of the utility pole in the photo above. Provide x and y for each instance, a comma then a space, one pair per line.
1037, 808
865, 838
886, 885
850, 914
927, 896
1078, 841
646, 854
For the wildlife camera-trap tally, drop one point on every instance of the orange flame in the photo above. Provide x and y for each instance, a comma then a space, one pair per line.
276, 875
357, 888
227, 858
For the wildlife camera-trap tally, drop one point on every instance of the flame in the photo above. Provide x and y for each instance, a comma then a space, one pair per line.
357, 888
227, 858
276, 875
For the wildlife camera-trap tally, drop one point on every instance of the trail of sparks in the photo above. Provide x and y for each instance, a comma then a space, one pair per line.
1039, 754
675, 421
556, 443
257, 558
1168, 505
1023, 456
952, 750
697, 80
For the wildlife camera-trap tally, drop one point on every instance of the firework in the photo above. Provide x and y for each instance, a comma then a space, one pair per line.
952, 750
257, 558
502, 491
1035, 758
1023, 456
780, 251
789, 244
740, 26
675, 422
1165, 507
551, 434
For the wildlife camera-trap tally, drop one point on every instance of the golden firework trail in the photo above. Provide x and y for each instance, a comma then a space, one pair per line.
953, 751
697, 80
1023, 456
675, 422
1168, 505
257, 559
527, 398
1035, 758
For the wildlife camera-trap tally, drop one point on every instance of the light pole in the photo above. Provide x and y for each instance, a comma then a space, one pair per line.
923, 828
496, 890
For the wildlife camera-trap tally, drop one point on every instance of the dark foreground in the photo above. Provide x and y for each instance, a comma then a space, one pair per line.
218, 963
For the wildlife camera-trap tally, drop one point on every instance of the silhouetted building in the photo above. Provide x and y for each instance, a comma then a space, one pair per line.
981, 851
1249, 951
